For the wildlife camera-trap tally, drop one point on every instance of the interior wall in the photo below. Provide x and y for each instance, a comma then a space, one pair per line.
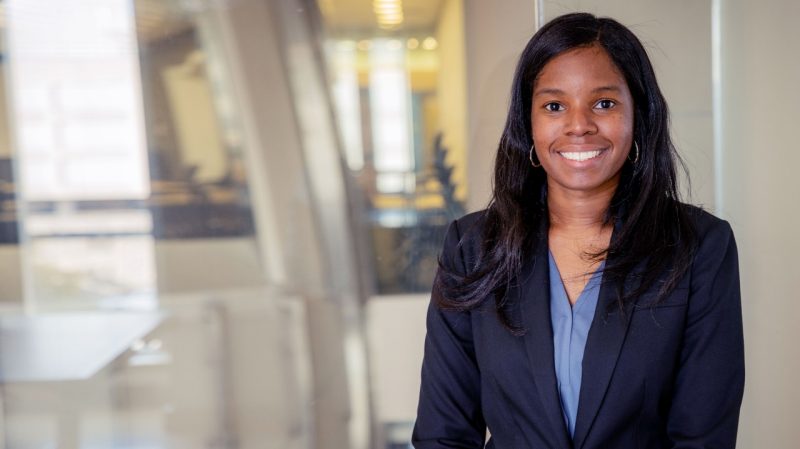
179, 108
10, 276
195, 119
396, 336
759, 98
495, 34
451, 90
5, 139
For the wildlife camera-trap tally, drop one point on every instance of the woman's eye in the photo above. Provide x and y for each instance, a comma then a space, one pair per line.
553, 107
606, 104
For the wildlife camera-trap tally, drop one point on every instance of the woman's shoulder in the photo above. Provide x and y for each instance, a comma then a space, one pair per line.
705, 224
715, 244
470, 227
463, 240
469, 224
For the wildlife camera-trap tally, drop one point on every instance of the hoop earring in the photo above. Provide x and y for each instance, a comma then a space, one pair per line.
530, 156
636, 159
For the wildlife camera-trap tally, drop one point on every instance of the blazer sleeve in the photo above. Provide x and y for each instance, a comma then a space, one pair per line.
449, 411
709, 384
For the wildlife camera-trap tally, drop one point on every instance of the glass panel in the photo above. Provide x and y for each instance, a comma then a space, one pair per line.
80, 149
397, 73
164, 257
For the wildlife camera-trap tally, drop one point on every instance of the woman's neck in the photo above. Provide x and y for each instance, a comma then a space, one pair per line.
576, 211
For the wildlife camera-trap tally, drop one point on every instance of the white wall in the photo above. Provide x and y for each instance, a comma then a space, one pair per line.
495, 33
10, 276
759, 170
396, 336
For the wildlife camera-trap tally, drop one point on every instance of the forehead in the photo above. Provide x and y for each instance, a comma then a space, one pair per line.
580, 68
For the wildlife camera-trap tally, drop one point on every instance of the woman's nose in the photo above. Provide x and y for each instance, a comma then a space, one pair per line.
580, 121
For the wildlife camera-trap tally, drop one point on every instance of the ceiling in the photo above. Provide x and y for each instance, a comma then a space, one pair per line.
356, 17
161, 19
158, 19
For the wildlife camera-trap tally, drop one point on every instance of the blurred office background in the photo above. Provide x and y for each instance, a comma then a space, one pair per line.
219, 219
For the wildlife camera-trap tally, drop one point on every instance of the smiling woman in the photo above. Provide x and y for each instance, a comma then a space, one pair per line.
587, 306
582, 118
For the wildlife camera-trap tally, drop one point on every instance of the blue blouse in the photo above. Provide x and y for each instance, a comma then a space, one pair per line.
570, 328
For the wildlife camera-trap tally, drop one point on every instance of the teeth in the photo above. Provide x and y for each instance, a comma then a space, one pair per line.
581, 155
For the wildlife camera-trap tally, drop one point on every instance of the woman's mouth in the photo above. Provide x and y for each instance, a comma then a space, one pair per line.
580, 156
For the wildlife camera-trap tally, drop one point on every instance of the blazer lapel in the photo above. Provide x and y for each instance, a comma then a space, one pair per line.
534, 295
603, 346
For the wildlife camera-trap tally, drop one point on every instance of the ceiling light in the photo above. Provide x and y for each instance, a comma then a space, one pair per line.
394, 44
391, 21
388, 13
430, 43
364, 45
387, 7
346, 45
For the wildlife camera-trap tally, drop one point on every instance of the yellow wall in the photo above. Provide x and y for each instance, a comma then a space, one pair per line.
452, 90
195, 120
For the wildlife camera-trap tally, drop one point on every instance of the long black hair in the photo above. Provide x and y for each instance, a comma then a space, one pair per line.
652, 228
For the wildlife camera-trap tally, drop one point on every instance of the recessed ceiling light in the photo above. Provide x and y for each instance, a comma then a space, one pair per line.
346, 45
364, 45
430, 43
389, 13
394, 44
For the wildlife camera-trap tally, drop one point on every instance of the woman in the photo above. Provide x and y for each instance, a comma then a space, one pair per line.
586, 307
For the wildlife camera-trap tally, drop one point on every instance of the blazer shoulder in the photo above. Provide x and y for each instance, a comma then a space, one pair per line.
716, 254
471, 222
462, 243
706, 225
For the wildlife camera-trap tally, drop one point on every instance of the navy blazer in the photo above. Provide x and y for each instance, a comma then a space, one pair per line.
663, 376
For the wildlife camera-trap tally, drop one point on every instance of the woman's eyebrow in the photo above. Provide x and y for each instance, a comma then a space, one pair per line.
606, 89
548, 91
554, 91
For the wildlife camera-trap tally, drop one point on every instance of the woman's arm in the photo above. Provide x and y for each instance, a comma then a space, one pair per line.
449, 412
709, 384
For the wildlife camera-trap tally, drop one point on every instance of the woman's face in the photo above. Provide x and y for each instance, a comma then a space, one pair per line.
582, 121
